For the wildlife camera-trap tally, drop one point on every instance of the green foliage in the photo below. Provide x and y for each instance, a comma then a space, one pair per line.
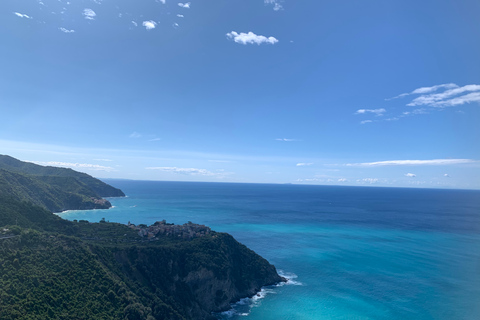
100, 188
51, 268
55, 193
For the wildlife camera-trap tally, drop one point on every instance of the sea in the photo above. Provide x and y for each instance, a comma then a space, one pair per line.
348, 252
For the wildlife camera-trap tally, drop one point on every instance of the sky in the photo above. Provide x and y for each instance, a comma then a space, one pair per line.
355, 93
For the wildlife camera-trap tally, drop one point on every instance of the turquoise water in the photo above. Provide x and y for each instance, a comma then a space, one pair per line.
350, 252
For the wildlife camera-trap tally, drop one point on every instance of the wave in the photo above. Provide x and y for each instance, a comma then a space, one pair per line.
290, 276
243, 306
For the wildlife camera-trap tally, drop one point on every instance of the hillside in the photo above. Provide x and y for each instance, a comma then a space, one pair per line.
56, 189
100, 188
56, 269
52, 268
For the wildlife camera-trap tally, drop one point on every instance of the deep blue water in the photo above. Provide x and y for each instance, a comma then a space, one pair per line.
351, 252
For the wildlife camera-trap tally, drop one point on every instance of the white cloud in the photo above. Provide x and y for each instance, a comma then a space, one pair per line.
424, 90
107, 160
303, 164
175, 25
276, 4
66, 30
365, 121
162, 1
342, 180
98, 1
438, 97
286, 140
446, 175
185, 5
186, 171
450, 97
411, 175
413, 162
87, 166
416, 111
368, 180
135, 134
22, 15
89, 14
250, 38
149, 25
180, 15
155, 139
378, 112
134, 23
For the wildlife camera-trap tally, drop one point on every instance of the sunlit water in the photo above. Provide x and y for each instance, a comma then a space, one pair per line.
350, 252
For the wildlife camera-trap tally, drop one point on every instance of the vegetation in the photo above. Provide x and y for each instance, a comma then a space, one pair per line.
51, 268
98, 187
56, 189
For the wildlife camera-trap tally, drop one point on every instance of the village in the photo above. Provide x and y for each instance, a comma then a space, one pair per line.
188, 230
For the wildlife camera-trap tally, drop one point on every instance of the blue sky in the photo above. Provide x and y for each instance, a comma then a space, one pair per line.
377, 93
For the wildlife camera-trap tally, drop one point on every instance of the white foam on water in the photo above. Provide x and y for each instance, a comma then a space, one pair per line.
290, 278
239, 308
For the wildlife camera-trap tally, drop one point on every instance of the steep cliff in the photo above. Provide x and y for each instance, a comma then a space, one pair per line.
201, 276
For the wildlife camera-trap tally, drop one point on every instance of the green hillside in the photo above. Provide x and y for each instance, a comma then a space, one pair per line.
52, 268
56, 189
100, 188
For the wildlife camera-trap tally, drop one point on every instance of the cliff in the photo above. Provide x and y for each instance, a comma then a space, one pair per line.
56, 189
108, 271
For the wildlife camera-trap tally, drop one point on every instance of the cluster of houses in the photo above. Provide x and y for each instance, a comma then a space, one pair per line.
162, 228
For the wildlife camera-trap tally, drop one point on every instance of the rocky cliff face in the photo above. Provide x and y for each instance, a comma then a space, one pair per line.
201, 276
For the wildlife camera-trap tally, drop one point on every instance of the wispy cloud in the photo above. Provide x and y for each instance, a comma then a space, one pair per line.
430, 99
304, 164
424, 90
410, 175
66, 30
276, 4
434, 97
377, 112
22, 15
366, 121
155, 139
250, 38
180, 15
89, 14
135, 23
135, 134
287, 140
86, 166
107, 160
368, 180
185, 171
416, 111
162, 1
412, 162
149, 25
184, 5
